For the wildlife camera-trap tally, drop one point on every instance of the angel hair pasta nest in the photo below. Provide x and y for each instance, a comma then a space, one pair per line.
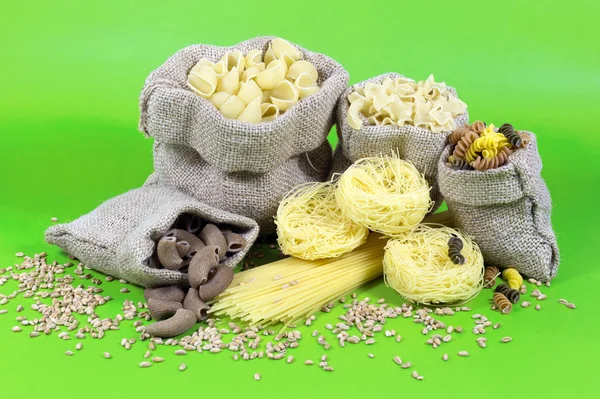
386, 194
310, 224
418, 267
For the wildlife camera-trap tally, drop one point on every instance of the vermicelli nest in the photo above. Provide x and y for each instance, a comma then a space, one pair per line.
310, 224
386, 194
417, 266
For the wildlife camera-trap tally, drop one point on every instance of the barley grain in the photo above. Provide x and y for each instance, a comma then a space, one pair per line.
145, 365
538, 307
257, 377
309, 362
445, 357
506, 339
464, 353
107, 355
17, 329
570, 305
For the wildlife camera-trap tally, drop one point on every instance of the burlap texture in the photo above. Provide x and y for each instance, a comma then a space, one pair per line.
254, 195
172, 114
417, 145
506, 211
119, 236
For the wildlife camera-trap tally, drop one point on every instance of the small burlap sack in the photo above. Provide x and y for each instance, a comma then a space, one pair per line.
506, 211
237, 166
254, 195
119, 236
420, 146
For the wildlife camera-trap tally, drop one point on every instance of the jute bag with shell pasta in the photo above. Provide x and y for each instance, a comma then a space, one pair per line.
506, 210
119, 237
237, 166
420, 146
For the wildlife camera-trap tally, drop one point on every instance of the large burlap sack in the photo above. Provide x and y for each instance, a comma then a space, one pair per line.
506, 210
172, 114
420, 146
119, 236
254, 195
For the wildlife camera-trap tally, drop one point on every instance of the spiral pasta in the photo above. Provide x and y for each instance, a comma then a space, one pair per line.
510, 294
459, 164
478, 126
489, 276
502, 303
487, 145
457, 134
511, 135
463, 144
513, 278
455, 245
490, 163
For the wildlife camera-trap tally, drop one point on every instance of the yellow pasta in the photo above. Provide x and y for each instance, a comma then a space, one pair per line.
254, 59
249, 91
513, 278
269, 112
281, 46
488, 145
252, 113
310, 225
219, 98
232, 108
300, 67
252, 72
230, 82
306, 85
426, 104
271, 76
356, 109
235, 59
202, 80
220, 68
284, 95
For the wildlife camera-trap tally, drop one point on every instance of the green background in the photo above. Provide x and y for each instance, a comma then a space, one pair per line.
70, 77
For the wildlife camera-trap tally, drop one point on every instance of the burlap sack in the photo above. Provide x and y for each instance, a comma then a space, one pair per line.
254, 195
417, 145
172, 114
506, 211
119, 236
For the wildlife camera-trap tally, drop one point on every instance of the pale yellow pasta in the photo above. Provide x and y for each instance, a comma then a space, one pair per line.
269, 56
271, 76
426, 104
230, 83
306, 85
203, 61
249, 91
266, 96
281, 46
252, 72
202, 80
252, 113
232, 108
300, 67
355, 110
219, 98
220, 68
269, 111
284, 95
254, 59
236, 59
286, 61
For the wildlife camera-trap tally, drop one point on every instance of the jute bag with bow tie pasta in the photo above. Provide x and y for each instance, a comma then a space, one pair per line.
418, 145
506, 210
240, 167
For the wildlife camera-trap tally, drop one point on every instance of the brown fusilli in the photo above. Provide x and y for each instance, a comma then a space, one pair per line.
459, 164
502, 303
494, 162
489, 276
510, 294
511, 135
455, 245
457, 134
464, 143
478, 126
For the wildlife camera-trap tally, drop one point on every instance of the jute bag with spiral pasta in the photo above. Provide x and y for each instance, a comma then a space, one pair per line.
237, 166
119, 237
506, 210
420, 146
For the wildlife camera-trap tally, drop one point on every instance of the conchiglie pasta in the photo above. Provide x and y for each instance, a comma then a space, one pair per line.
232, 108
230, 83
249, 91
300, 67
306, 85
202, 80
252, 113
255, 87
271, 76
284, 95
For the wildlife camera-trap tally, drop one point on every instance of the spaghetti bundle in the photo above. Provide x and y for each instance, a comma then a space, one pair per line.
291, 289
418, 267
386, 194
310, 225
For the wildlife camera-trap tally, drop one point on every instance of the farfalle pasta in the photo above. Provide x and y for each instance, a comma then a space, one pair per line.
426, 104
252, 88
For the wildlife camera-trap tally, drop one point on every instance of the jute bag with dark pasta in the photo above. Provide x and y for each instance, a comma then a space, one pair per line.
418, 145
119, 237
237, 166
506, 210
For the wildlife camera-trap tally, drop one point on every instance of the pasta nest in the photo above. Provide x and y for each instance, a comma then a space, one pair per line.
310, 225
418, 267
385, 194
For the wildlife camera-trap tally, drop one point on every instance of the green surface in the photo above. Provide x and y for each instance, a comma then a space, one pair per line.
69, 83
